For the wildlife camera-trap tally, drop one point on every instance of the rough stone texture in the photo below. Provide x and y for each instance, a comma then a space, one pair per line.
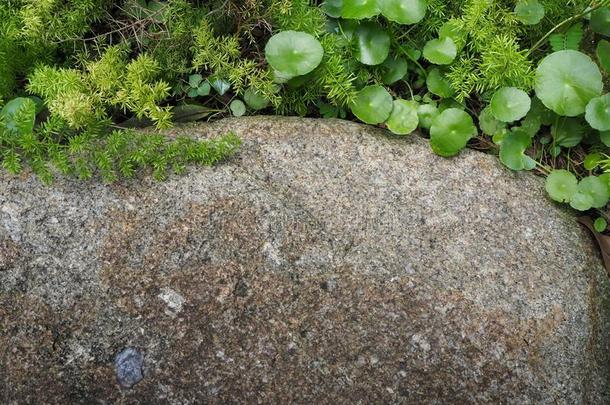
326, 263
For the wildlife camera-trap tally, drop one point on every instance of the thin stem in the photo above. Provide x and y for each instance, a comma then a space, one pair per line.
563, 23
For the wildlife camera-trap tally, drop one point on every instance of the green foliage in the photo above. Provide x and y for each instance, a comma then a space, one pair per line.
450, 132
528, 70
570, 40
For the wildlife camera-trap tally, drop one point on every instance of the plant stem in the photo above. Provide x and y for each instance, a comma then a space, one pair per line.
561, 24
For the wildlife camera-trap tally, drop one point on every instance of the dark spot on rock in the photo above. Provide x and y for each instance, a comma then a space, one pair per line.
241, 288
128, 367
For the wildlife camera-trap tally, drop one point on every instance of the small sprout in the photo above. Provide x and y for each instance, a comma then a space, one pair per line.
204, 89
293, 53
403, 119
566, 81
592, 160
403, 11
451, 131
359, 9
221, 86
512, 151
198, 86
427, 113
597, 113
561, 185
195, 80
600, 224
600, 21
529, 12
603, 54
440, 51
394, 69
238, 108
438, 84
255, 100
373, 105
373, 43
510, 104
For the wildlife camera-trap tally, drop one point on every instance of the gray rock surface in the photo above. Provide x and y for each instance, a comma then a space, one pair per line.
327, 263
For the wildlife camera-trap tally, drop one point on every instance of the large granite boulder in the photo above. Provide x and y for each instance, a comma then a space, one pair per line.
327, 263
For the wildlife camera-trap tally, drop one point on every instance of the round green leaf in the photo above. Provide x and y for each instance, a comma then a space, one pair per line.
449, 103
600, 224
427, 113
453, 29
529, 12
603, 54
440, 51
592, 160
568, 132
566, 81
595, 192
238, 108
438, 84
359, 9
510, 104
403, 11
581, 201
19, 115
393, 69
255, 100
373, 105
451, 131
600, 21
403, 119
604, 136
293, 53
192, 93
333, 8
597, 113
489, 124
512, 151
204, 89
373, 44
561, 185
221, 86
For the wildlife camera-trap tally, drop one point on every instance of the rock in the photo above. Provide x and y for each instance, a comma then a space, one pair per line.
328, 262
128, 367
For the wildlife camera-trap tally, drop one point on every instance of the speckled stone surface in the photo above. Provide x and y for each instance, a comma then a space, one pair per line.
327, 263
